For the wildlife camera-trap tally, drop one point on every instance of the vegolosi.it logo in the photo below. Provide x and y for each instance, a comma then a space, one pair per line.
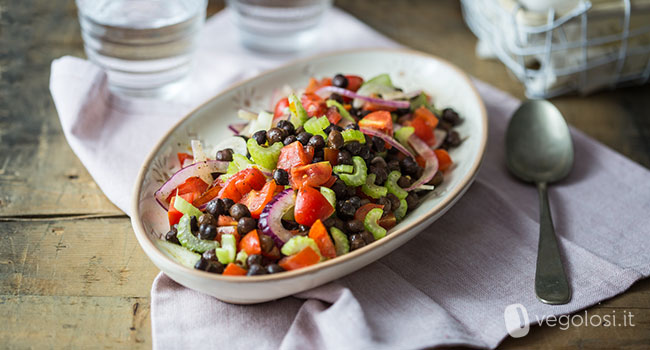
517, 322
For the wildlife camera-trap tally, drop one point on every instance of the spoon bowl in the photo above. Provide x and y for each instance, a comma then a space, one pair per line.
539, 150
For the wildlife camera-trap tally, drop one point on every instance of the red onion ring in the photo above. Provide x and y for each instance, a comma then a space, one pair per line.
201, 169
440, 136
430, 158
391, 141
270, 222
352, 94
237, 128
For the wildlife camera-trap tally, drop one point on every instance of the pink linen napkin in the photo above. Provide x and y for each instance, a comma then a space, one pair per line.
449, 286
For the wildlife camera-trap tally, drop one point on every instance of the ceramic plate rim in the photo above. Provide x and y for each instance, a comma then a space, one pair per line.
449, 199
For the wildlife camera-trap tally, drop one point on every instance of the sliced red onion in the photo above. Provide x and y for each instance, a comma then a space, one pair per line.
270, 222
440, 136
391, 141
429, 157
237, 128
352, 94
203, 170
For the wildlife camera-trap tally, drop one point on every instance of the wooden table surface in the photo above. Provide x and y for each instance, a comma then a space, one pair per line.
72, 274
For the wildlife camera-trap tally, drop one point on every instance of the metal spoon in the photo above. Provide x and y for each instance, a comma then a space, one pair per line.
539, 150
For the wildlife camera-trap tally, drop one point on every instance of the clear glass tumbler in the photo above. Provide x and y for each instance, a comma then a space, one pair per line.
278, 25
144, 45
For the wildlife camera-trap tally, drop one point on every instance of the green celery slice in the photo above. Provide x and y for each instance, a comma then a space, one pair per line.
315, 126
372, 190
241, 258
298, 243
191, 242
343, 168
342, 111
329, 195
341, 242
298, 113
371, 225
402, 135
358, 177
186, 207
350, 135
393, 187
226, 254
381, 79
400, 212
184, 256
266, 157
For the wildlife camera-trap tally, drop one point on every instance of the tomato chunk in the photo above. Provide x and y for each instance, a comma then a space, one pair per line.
293, 155
257, 200
311, 174
379, 120
422, 130
314, 104
173, 215
361, 213
333, 115
430, 119
311, 205
444, 160
354, 82
372, 107
193, 185
319, 234
331, 155
242, 183
314, 84
251, 243
281, 107
182, 157
233, 269
303, 258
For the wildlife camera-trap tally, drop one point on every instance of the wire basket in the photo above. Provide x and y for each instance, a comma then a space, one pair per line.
584, 47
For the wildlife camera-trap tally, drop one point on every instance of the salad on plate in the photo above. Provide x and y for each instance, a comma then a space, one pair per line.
332, 169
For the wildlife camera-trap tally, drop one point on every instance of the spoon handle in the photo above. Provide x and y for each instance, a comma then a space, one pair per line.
551, 284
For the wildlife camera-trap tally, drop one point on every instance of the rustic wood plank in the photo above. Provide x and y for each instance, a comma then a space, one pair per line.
97, 257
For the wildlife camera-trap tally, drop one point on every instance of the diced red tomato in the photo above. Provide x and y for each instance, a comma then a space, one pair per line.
314, 84
207, 196
319, 234
309, 152
281, 107
182, 157
333, 115
354, 82
193, 184
373, 107
444, 160
420, 160
330, 182
257, 200
242, 183
233, 269
388, 221
422, 130
331, 155
306, 257
380, 120
427, 115
251, 243
293, 155
314, 104
361, 213
225, 220
311, 174
173, 215
311, 205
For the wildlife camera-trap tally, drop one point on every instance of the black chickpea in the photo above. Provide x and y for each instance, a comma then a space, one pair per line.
225, 155
281, 177
275, 135
260, 137
239, 211
246, 225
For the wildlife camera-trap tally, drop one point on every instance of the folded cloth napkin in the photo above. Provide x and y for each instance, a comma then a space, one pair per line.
448, 286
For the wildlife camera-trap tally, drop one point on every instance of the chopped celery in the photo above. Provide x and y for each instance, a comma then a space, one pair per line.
186, 207
238, 163
400, 212
315, 126
298, 243
343, 168
184, 256
241, 258
381, 79
421, 100
358, 177
372, 190
191, 242
264, 122
298, 113
402, 135
342, 111
371, 225
266, 157
353, 135
393, 187
226, 254
341, 242
329, 195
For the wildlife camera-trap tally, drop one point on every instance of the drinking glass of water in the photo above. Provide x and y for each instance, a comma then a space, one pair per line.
278, 25
145, 46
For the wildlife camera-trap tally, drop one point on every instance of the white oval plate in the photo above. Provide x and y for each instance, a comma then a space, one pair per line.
411, 70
